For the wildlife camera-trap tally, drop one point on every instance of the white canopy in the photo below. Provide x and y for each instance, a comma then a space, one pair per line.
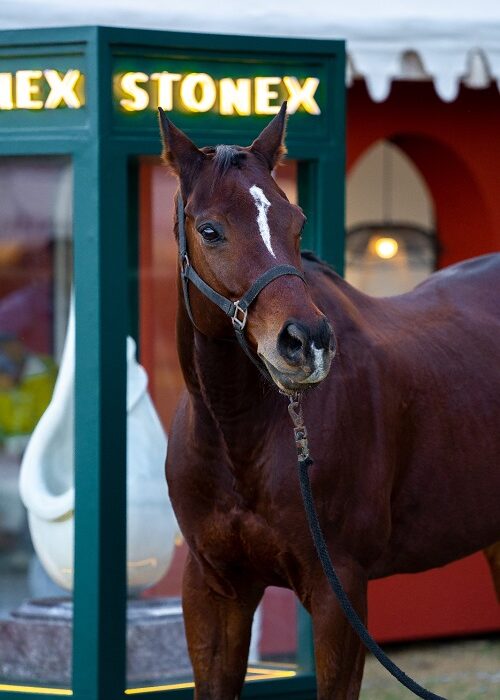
447, 42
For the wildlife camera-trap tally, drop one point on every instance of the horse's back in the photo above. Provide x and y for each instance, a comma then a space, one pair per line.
473, 284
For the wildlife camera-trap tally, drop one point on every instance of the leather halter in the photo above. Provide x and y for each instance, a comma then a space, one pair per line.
236, 310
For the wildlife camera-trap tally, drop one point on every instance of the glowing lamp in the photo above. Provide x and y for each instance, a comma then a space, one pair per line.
386, 248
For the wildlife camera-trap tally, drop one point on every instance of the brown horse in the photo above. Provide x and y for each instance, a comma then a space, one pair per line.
404, 428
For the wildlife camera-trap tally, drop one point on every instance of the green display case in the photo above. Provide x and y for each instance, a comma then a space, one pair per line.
89, 94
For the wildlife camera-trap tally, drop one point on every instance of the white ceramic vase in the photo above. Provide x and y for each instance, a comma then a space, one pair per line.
47, 479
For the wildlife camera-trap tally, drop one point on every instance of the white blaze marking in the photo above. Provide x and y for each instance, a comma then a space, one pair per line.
262, 203
318, 365
318, 355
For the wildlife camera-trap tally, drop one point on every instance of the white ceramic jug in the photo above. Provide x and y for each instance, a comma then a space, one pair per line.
47, 479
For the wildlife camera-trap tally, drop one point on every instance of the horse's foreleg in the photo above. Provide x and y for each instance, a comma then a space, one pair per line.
339, 654
218, 630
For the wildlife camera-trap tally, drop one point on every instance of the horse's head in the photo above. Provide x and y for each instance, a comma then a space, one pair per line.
238, 225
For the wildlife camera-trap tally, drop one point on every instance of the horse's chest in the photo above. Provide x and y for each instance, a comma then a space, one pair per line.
241, 539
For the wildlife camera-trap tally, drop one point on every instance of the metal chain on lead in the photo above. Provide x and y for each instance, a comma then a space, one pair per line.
299, 429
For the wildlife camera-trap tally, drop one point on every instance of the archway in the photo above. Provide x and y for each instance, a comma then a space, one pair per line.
391, 241
454, 148
462, 216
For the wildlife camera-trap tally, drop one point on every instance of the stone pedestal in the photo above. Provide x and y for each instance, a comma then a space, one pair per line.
36, 642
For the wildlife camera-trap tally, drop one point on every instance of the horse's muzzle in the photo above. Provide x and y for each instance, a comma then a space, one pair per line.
304, 355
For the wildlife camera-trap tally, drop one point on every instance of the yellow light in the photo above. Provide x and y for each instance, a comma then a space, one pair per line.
301, 95
271, 672
386, 248
208, 95
158, 688
166, 82
235, 95
253, 674
26, 90
263, 94
34, 689
138, 98
62, 89
6, 101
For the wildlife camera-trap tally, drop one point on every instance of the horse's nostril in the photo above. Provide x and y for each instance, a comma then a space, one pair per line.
292, 343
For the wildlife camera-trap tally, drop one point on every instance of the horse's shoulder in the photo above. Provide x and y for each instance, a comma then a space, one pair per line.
356, 316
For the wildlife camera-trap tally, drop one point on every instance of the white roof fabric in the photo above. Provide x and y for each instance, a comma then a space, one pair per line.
448, 41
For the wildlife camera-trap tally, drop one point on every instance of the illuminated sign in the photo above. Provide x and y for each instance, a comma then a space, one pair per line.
136, 91
36, 89
199, 92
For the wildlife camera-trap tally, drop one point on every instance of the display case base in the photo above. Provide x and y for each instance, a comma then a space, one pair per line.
36, 642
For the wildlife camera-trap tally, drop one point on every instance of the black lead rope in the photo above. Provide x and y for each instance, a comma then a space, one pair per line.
304, 461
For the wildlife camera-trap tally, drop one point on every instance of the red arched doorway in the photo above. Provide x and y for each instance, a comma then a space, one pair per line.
454, 145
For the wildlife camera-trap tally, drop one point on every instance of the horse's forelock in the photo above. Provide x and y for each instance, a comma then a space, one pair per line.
226, 157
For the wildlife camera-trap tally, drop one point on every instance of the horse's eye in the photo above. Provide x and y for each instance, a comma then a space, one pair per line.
209, 233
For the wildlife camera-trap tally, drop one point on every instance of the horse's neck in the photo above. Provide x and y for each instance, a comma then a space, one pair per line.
223, 381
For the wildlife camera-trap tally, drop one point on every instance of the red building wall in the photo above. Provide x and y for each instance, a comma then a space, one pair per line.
456, 147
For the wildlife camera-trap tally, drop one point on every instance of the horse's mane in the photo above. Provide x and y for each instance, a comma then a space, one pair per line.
325, 267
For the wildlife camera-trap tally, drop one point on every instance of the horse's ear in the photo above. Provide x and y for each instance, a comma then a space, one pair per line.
271, 141
179, 152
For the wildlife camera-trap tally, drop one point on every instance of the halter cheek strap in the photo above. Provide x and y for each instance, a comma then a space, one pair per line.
236, 310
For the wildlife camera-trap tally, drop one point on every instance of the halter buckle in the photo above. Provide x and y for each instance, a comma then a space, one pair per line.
239, 321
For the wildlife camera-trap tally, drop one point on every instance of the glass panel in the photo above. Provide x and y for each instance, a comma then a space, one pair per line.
390, 243
157, 655
36, 465
156, 645
389, 259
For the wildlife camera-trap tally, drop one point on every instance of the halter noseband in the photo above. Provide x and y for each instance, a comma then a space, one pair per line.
236, 310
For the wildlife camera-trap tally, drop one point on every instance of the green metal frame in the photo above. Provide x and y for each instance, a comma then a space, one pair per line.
103, 146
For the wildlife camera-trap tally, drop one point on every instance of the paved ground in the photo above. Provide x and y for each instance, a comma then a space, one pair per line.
458, 670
